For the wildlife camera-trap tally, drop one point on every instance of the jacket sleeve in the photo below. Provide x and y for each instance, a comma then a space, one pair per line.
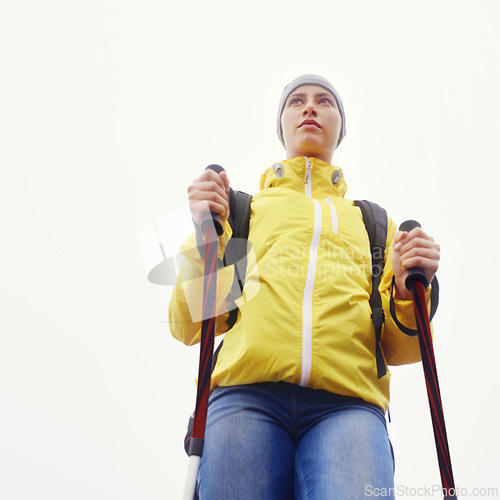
185, 308
398, 347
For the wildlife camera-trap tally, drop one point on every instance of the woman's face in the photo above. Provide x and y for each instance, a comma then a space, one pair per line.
311, 123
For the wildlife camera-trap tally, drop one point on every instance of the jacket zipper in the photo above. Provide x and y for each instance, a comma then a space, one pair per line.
309, 286
307, 178
335, 220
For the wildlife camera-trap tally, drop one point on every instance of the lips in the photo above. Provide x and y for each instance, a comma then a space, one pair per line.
310, 122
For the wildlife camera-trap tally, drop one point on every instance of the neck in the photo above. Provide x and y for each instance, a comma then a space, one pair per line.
327, 158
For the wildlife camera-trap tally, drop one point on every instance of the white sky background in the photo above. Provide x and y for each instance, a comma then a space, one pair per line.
108, 111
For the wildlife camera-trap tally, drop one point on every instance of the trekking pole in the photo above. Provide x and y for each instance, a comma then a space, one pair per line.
210, 228
417, 282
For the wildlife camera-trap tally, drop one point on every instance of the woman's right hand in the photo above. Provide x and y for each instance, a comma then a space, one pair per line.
209, 193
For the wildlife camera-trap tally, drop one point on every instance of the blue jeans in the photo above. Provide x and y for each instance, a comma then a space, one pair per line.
276, 441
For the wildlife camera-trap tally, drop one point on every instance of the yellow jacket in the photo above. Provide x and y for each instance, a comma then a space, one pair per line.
305, 316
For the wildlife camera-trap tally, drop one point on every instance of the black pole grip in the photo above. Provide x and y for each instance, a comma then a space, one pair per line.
213, 218
415, 274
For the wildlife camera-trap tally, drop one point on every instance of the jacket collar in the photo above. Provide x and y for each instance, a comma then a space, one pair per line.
292, 174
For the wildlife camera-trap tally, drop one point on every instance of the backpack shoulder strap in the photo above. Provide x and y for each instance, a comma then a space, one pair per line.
239, 213
375, 219
237, 247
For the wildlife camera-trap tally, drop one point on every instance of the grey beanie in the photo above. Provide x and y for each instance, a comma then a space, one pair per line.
310, 80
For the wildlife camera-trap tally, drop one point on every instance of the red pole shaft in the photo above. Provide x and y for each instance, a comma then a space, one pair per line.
433, 392
207, 334
209, 311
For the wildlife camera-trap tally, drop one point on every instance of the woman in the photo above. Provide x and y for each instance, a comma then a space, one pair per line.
297, 409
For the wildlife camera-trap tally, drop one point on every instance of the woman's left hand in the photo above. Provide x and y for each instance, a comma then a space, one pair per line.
413, 249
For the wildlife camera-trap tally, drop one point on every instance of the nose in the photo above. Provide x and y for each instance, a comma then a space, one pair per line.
310, 110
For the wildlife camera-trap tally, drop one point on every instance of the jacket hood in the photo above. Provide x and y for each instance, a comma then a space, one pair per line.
292, 173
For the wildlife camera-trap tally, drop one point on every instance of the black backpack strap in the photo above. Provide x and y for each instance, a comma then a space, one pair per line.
239, 213
375, 219
237, 247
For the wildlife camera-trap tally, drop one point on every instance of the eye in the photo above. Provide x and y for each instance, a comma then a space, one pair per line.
326, 100
294, 100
